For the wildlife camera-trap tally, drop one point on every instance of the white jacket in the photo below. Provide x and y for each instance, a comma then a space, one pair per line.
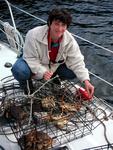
36, 54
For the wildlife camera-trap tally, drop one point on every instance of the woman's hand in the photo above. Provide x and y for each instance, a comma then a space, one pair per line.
47, 75
89, 88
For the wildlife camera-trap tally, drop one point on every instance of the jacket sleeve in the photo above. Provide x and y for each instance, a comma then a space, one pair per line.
31, 56
75, 61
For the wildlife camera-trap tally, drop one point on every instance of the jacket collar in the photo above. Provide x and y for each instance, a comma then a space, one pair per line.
43, 33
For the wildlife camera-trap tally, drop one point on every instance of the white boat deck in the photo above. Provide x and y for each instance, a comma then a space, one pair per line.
95, 139
6, 55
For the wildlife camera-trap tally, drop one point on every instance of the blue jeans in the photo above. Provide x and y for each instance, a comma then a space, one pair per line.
22, 72
64, 72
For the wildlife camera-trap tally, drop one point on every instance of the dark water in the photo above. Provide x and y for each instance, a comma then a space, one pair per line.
92, 20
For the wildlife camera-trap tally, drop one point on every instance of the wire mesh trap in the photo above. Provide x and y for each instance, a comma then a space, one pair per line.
101, 147
53, 115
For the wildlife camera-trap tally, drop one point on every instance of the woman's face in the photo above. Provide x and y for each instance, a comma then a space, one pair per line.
57, 29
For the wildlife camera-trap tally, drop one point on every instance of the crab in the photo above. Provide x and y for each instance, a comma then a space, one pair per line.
48, 102
59, 120
70, 107
38, 140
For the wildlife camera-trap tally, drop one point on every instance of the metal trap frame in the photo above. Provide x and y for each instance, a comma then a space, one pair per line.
101, 147
55, 119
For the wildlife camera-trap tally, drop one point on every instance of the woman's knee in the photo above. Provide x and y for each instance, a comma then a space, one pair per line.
21, 70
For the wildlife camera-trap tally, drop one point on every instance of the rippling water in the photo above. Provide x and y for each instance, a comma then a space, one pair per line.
92, 20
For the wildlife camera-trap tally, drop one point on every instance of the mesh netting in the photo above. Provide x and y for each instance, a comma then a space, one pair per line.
102, 147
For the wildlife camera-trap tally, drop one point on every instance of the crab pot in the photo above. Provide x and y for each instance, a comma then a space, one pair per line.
63, 114
54, 115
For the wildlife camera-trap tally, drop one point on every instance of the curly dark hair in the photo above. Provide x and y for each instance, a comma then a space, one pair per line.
60, 14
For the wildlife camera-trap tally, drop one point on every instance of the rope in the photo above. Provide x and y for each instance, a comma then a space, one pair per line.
20, 46
31, 96
105, 117
9, 6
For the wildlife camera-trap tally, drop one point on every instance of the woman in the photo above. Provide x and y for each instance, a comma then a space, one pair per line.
51, 50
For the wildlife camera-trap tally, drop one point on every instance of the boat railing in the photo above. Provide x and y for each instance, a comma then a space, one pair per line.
83, 39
